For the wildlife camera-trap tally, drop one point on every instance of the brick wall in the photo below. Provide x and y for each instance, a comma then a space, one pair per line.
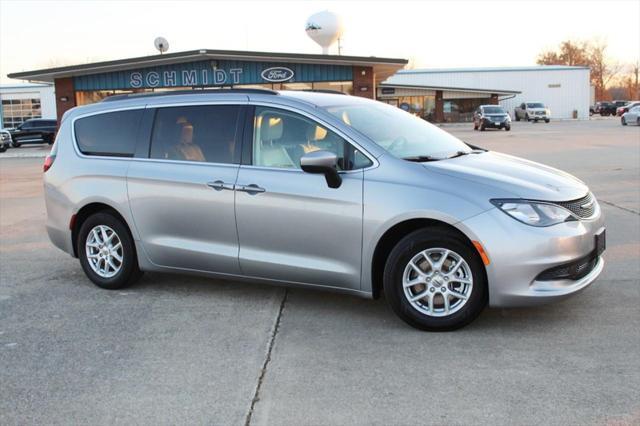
65, 96
364, 82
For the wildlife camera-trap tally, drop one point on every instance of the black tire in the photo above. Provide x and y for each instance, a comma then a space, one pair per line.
535, 120
16, 144
623, 121
515, 114
399, 258
507, 128
129, 272
3, 148
546, 120
482, 128
638, 121
526, 117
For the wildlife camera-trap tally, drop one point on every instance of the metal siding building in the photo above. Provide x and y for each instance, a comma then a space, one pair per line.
563, 89
21, 102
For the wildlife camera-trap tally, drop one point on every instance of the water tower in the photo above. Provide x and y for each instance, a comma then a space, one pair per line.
325, 28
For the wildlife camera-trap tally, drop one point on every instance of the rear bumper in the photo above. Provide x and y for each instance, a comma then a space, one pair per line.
60, 238
519, 253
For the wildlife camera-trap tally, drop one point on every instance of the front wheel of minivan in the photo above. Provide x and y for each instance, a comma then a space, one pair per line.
434, 280
107, 252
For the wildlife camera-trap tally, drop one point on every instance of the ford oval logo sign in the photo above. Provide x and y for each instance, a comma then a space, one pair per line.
277, 74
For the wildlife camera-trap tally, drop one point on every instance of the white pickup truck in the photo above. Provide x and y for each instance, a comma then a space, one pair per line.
532, 111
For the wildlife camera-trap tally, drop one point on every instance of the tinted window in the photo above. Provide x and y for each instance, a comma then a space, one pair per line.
112, 133
27, 125
281, 138
197, 133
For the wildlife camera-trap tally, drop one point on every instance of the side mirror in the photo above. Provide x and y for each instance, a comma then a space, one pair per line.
322, 162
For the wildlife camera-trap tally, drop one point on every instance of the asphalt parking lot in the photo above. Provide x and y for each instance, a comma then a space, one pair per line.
176, 349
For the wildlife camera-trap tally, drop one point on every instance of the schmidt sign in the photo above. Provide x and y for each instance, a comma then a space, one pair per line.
206, 77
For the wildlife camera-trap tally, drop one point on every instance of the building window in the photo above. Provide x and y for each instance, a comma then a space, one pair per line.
461, 110
423, 106
17, 111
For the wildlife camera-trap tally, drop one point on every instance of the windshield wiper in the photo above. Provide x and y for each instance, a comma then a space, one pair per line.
425, 158
459, 154
422, 158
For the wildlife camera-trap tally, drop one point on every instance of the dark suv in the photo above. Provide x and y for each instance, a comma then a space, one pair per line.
491, 116
605, 108
36, 130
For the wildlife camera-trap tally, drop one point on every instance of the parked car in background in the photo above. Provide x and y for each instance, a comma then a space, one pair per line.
35, 130
318, 190
491, 117
625, 108
631, 116
5, 140
605, 108
532, 111
619, 103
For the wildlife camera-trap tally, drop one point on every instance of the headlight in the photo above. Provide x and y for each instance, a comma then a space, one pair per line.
534, 213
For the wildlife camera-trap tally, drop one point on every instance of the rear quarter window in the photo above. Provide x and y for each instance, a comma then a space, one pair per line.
109, 134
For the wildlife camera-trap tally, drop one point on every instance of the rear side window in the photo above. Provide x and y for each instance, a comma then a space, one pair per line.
110, 134
203, 133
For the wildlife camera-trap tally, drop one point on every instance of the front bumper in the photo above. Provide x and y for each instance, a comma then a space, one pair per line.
539, 117
495, 124
519, 253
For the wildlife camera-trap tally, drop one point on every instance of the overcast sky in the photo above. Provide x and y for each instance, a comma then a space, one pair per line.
42, 34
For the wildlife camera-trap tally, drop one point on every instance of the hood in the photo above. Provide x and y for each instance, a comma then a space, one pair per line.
520, 177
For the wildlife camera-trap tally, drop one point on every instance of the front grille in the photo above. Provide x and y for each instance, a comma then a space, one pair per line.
583, 207
570, 271
539, 112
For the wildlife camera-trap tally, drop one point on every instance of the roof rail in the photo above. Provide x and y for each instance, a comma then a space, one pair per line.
331, 92
187, 92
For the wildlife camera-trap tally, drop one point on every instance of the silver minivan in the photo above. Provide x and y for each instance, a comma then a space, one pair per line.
318, 190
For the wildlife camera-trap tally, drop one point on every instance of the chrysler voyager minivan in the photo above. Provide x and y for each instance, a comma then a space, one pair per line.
318, 190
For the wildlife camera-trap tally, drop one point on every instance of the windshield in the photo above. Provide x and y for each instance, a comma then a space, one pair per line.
402, 134
493, 110
535, 105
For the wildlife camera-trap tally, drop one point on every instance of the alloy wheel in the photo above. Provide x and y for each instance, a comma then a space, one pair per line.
437, 282
104, 251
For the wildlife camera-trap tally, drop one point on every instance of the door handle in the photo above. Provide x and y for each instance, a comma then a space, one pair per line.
250, 189
220, 185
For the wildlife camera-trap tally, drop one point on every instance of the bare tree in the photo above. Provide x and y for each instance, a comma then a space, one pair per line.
632, 81
602, 70
585, 53
574, 53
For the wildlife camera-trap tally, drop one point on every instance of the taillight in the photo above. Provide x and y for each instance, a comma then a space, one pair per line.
48, 162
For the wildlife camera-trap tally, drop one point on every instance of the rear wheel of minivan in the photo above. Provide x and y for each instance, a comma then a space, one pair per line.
107, 252
434, 280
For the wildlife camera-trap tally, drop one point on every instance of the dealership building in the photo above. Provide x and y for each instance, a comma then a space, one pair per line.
439, 95
565, 90
200, 69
